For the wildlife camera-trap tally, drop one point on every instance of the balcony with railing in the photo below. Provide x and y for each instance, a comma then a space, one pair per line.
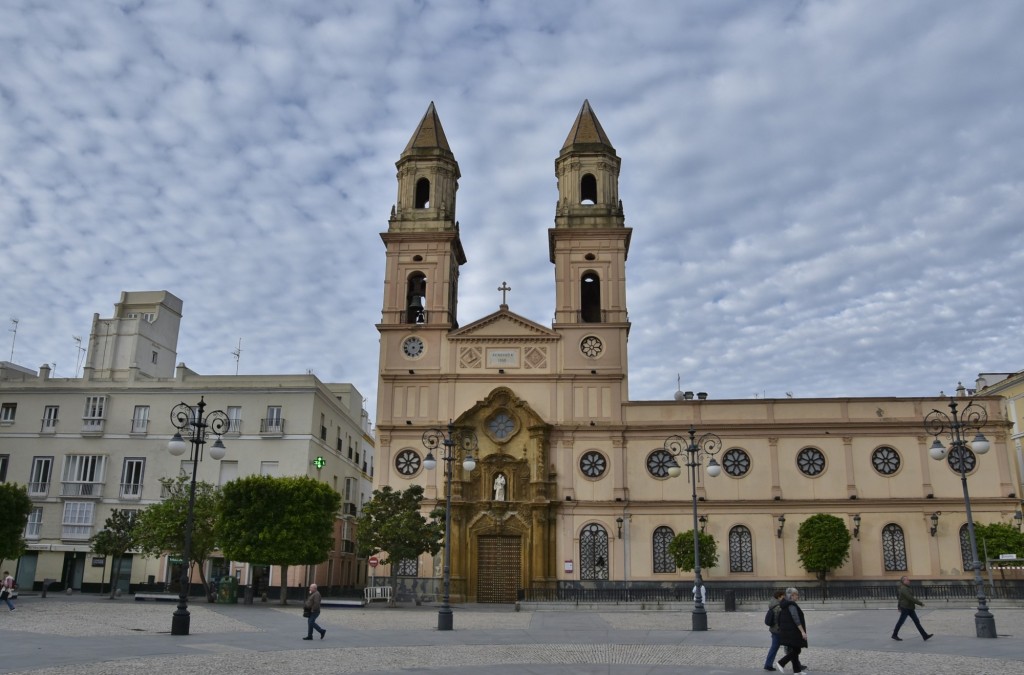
78, 488
349, 509
234, 427
76, 532
140, 425
131, 491
348, 546
92, 426
48, 426
38, 489
272, 426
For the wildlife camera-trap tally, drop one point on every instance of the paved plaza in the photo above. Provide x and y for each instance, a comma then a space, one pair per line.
89, 635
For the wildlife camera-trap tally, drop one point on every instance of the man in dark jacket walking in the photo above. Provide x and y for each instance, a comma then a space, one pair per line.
907, 604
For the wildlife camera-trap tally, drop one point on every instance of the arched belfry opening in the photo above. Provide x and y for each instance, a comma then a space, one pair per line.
588, 189
590, 298
423, 193
415, 298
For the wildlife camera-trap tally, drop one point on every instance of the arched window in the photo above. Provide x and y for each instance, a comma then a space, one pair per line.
894, 548
423, 193
590, 298
965, 548
593, 553
416, 291
741, 550
588, 189
663, 562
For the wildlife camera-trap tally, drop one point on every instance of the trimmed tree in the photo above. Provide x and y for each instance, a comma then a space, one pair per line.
278, 521
160, 527
115, 539
997, 539
823, 544
392, 528
15, 506
681, 550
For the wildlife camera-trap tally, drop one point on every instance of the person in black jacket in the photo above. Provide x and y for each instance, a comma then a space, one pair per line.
792, 630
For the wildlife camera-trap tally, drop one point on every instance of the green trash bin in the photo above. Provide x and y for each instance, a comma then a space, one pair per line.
227, 591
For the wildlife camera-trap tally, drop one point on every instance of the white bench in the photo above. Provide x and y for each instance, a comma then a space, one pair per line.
372, 593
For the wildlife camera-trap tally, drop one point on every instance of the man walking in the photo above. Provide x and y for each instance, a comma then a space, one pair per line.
312, 606
907, 604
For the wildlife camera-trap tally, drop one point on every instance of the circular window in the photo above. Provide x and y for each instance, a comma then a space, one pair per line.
591, 346
659, 462
593, 464
736, 462
962, 460
501, 426
810, 461
885, 460
407, 462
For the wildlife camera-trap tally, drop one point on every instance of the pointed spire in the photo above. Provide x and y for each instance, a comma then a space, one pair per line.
586, 130
429, 133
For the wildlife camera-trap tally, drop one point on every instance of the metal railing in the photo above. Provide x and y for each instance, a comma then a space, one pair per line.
809, 593
131, 491
271, 426
81, 489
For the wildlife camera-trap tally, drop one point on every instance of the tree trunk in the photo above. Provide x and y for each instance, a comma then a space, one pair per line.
284, 584
115, 572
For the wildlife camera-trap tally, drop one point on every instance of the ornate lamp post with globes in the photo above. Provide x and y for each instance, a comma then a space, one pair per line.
696, 450
962, 460
465, 440
191, 420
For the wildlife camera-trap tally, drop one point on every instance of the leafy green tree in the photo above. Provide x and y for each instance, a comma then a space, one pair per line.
161, 527
392, 528
999, 538
681, 550
823, 544
14, 509
115, 539
278, 521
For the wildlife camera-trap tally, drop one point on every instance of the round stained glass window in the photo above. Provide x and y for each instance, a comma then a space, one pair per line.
407, 462
736, 462
962, 459
593, 464
659, 462
501, 425
885, 460
810, 461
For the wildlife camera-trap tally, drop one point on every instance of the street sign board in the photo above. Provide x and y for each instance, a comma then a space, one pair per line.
373, 561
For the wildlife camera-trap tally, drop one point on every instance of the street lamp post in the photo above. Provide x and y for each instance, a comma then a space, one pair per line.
191, 420
962, 460
696, 449
464, 439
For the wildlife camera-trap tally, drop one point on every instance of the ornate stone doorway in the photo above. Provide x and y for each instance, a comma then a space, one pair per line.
498, 568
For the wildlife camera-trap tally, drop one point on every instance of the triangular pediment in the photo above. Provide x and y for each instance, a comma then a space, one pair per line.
503, 324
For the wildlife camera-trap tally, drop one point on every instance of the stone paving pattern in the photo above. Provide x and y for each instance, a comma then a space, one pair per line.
93, 635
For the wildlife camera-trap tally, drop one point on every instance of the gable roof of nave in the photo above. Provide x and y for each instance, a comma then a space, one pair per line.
503, 324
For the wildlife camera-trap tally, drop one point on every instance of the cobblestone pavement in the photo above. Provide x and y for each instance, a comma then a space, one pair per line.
91, 636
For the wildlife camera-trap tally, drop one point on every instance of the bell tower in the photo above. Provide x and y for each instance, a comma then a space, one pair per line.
424, 251
588, 246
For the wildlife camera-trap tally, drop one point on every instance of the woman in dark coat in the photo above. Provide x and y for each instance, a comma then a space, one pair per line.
792, 630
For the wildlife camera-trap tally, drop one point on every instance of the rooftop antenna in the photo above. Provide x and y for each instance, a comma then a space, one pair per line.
13, 329
81, 353
238, 355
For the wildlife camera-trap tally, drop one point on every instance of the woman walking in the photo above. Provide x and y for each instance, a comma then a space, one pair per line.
792, 630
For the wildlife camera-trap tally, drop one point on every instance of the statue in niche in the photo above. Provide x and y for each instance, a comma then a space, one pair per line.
499, 487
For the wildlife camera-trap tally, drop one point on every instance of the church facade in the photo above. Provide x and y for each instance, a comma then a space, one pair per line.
572, 478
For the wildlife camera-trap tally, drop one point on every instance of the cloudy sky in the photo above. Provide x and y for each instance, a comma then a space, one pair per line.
827, 197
